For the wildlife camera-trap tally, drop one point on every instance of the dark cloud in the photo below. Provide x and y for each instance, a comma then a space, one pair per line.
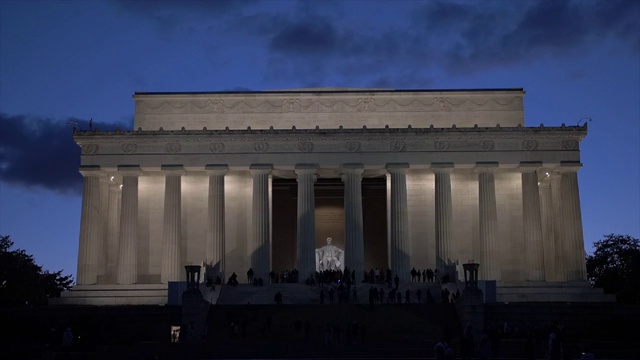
491, 37
40, 152
316, 36
461, 38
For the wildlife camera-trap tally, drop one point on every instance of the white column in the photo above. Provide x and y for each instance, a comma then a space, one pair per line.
488, 215
548, 238
113, 229
104, 224
443, 214
215, 248
399, 240
572, 217
128, 247
261, 252
306, 241
560, 257
353, 238
90, 229
532, 222
172, 229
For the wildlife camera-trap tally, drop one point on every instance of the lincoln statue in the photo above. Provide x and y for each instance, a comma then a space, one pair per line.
329, 257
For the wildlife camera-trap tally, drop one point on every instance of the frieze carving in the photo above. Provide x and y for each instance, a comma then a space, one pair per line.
216, 147
570, 144
214, 106
291, 105
352, 146
173, 148
366, 104
89, 148
441, 145
261, 147
487, 145
305, 146
129, 148
529, 144
398, 146
443, 103
330, 105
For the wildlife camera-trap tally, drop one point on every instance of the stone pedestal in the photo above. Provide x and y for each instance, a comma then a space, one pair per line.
194, 308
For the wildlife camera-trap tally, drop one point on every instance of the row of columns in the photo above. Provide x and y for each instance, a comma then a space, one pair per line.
552, 226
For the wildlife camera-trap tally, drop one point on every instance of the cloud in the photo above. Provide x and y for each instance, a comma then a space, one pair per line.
488, 37
40, 152
305, 37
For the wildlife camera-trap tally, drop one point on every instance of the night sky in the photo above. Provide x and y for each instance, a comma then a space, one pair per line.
65, 62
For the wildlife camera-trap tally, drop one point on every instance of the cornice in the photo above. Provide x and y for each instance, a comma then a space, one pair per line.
475, 139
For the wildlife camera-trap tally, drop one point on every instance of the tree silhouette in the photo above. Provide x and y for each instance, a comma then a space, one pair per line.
23, 282
615, 266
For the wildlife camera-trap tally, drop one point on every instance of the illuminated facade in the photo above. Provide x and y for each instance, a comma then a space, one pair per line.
399, 179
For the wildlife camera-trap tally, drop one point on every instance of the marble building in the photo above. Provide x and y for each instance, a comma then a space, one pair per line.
398, 179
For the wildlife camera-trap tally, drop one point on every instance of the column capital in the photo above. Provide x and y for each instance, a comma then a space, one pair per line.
90, 170
569, 166
400, 168
355, 168
486, 166
352, 167
173, 169
306, 168
216, 169
529, 166
442, 167
257, 169
130, 170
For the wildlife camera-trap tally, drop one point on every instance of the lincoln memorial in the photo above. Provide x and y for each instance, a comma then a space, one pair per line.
397, 178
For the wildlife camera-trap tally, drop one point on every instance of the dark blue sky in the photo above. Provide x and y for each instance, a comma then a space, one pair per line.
70, 61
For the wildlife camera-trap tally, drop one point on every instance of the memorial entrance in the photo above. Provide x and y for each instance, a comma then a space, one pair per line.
329, 220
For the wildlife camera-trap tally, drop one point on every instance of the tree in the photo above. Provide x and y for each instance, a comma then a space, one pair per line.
23, 282
615, 266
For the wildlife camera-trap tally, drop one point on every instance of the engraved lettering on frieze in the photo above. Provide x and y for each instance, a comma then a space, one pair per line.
366, 104
261, 147
352, 146
291, 105
398, 146
443, 103
305, 146
216, 147
173, 148
569, 144
441, 145
89, 148
129, 148
487, 145
529, 144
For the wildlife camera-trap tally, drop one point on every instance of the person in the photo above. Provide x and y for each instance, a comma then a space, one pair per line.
250, 275
439, 349
329, 256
